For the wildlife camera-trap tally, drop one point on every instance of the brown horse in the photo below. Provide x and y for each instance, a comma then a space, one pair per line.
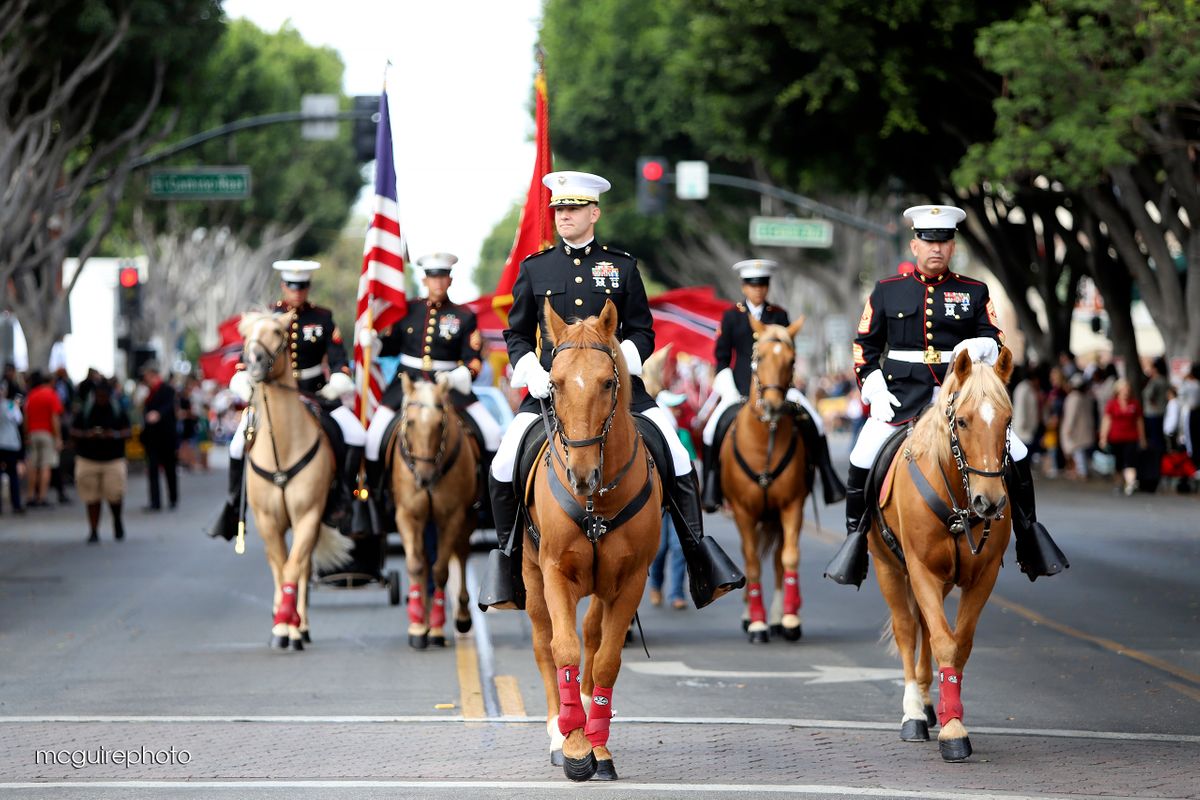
292, 467
433, 481
764, 476
595, 513
953, 462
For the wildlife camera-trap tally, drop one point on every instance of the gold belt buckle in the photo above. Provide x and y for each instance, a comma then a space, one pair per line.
933, 356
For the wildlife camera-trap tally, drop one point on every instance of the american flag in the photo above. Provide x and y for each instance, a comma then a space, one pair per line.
381, 300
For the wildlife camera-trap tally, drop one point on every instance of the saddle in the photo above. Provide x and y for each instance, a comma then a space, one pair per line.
804, 424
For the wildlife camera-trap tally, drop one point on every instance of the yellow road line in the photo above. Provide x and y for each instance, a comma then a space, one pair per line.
1185, 690
509, 692
470, 688
1100, 641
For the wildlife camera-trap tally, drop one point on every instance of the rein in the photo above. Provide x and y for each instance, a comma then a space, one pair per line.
768, 475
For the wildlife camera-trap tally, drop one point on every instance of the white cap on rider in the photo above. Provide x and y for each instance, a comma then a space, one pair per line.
437, 264
296, 271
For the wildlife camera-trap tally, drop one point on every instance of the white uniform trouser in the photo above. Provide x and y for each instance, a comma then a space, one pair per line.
793, 394
506, 453
874, 433
352, 431
383, 415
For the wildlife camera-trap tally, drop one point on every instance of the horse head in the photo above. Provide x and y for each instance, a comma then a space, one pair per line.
588, 383
264, 339
773, 363
423, 426
978, 413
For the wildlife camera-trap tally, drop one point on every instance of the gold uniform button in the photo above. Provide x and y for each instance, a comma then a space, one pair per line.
547, 293
578, 262
929, 312
578, 301
428, 338
928, 324
929, 336
295, 374
928, 301
930, 290
410, 330
608, 291
889, 377
579, 279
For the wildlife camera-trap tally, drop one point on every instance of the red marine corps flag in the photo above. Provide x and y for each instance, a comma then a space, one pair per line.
381, 300
535, 231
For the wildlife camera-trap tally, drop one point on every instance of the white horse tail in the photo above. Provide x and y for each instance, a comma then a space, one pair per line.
332, 550
887, 634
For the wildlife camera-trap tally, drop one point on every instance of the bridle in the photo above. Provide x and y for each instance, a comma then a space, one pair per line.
762, 387
440, 461
555, 427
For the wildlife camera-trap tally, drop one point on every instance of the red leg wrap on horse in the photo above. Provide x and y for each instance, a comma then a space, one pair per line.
949, 695
570, 706
416, 606
757, 612
791, 592
599, 717
437, 614
287, 613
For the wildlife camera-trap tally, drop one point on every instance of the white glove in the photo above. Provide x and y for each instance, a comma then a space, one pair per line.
633, 359
981, 349
875, 393
368, 339
241, 385
459, 379
338, 385
529, 373
724, 385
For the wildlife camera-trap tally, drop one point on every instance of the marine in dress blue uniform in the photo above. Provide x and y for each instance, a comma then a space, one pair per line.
910, 329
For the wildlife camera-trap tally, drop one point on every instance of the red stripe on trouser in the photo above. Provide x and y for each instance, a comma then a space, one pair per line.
599, 717
287, 613
791, 592
949, 695
416, 606
757, 612
437, 614
570, 706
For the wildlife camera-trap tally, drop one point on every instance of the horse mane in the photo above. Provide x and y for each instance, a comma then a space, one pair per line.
930, 435
585, 331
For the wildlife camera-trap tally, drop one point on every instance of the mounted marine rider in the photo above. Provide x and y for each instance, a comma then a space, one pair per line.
434, 337
734, 353
911, 329
313, 340
577, 277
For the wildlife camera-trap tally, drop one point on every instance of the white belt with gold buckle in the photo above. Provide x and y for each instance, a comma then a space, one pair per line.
926, 356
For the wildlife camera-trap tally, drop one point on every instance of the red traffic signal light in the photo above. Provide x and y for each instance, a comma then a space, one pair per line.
651, 185
128, 277
653, 170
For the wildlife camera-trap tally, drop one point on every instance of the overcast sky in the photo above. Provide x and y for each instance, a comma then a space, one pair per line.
459, 86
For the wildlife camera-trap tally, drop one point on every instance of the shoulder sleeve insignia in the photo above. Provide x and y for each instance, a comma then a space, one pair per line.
857, 350
476, 340
864, 322
991, 313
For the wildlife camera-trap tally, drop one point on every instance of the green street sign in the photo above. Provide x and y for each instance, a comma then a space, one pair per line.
200, 183
790, 232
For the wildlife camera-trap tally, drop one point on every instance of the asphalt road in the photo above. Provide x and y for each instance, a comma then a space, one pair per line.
1085, 684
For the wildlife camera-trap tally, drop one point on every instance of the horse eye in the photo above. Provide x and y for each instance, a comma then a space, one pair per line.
608, 384
962, 423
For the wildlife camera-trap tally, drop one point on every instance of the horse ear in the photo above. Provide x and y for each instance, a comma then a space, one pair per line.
795, 327
755, 324
442, 381
608, 319
554, 324
1004, 364
406, 384
962, 365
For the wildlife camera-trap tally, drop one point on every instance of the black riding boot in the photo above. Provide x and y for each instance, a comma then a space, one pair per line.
849, 564
225, 525
712, 499
711, 573
503, 585
835, 490
359, 517
483, 510
383, 520
1037, 554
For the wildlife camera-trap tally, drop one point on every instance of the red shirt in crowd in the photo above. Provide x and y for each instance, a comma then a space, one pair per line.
41, 406
1123, 420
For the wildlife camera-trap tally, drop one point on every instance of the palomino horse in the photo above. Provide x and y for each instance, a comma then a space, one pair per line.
292, 467
946, 481
595, 514
433, 481
764, 476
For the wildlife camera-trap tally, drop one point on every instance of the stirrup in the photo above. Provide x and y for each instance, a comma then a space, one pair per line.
1037, 554
849, 564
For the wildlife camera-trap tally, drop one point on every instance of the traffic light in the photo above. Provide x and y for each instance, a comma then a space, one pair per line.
365, 127
129, 292
651, 185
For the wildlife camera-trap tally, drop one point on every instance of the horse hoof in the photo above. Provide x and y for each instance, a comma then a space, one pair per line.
759, 637
955, 749
556, 758
418, 641
437, 641
279, 642
304, 635
791, 634
605, 771
462, 625
914, 730
579, 769
930, 716
296, 644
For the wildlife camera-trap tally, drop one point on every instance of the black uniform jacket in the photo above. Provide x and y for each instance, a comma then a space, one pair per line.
578, 280
314, 337
735, 340
917, 312
442, 336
